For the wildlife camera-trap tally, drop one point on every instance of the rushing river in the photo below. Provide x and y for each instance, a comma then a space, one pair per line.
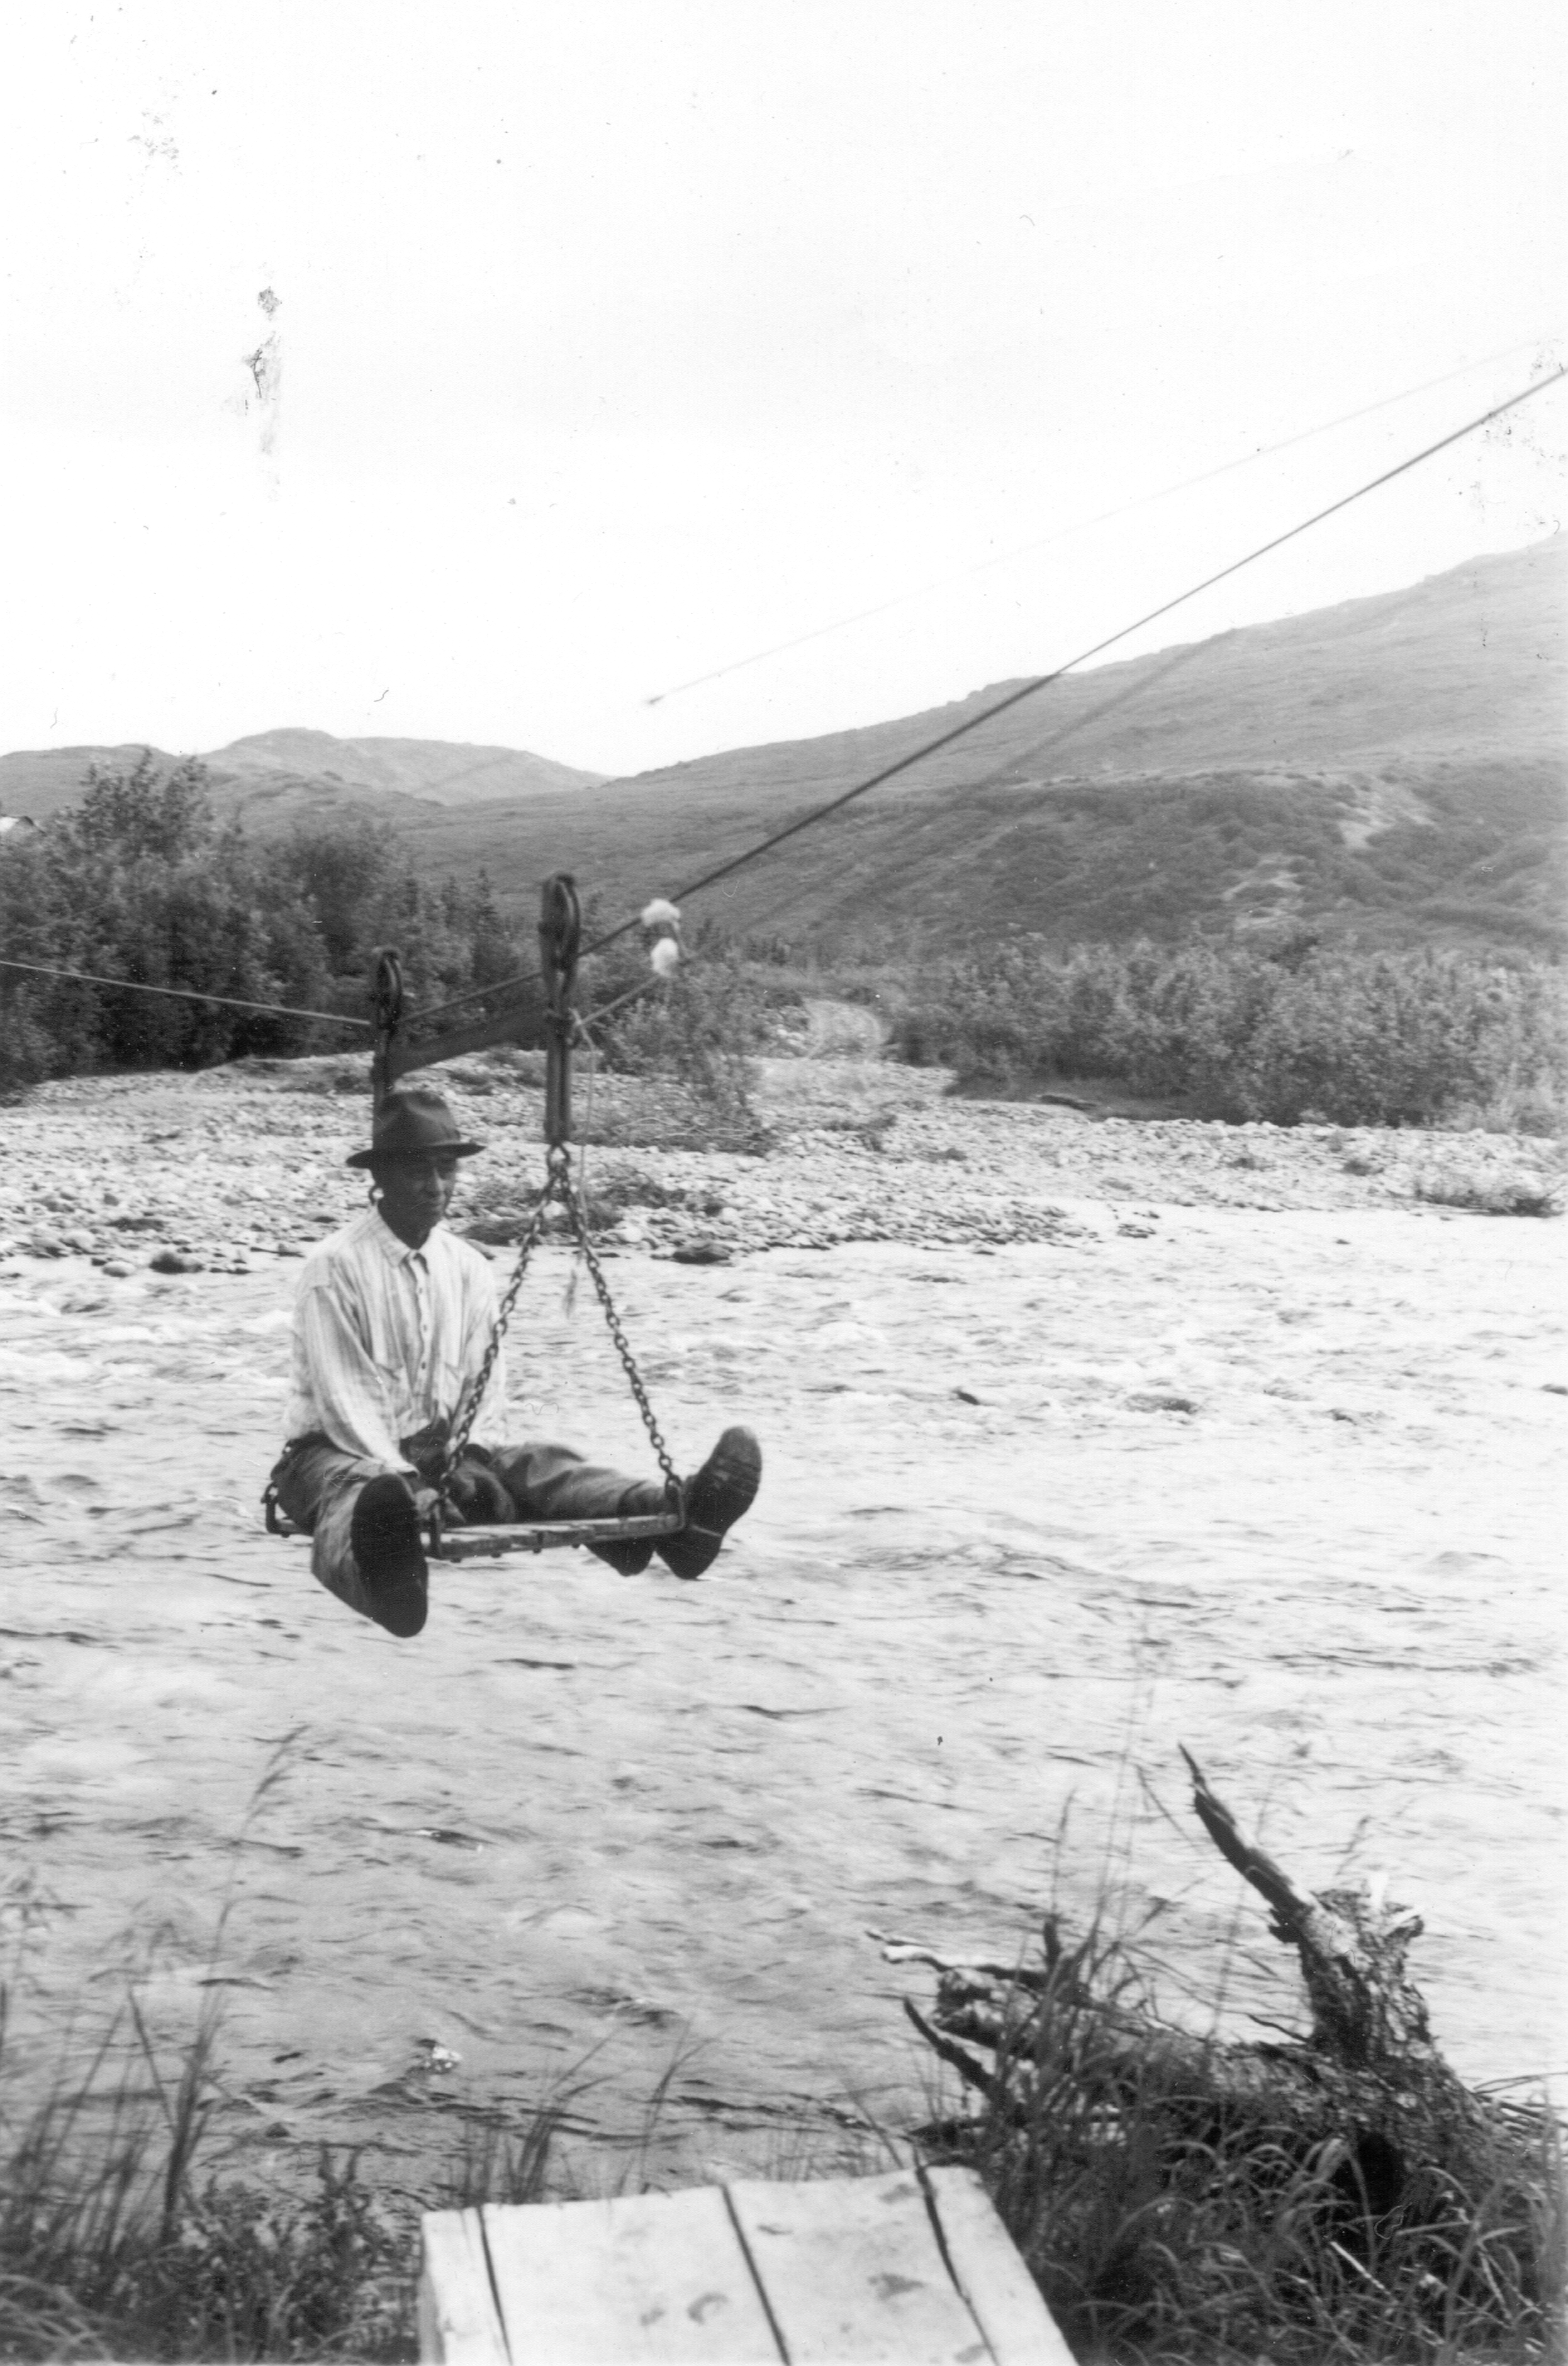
1277, 1486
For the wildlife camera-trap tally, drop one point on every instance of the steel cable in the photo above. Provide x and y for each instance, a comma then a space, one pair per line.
1031, 688
184, 993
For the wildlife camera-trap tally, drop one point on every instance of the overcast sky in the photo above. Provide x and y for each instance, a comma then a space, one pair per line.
476, 372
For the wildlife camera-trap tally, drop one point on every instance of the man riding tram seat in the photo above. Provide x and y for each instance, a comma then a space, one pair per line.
397, 1353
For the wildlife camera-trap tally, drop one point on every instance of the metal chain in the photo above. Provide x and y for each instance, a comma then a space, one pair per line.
579, 1219
558, 1186
458, 1444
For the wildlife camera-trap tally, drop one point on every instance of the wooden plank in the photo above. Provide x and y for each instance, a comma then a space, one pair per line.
854, 2275
653, 2276
1000, 2291
458, 2323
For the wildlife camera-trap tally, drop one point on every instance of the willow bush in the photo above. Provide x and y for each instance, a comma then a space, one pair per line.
1300, 1031
140, 881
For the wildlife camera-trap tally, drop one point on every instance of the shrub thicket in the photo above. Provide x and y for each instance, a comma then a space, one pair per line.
140, 881
701, 1026
1291, 1031
698, 1028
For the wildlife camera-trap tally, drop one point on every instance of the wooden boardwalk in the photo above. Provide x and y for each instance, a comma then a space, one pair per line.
913, 2268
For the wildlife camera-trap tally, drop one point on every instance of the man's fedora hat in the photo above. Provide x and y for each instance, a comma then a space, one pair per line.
414, 1117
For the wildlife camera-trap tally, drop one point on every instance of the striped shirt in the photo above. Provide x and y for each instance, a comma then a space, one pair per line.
388, 1338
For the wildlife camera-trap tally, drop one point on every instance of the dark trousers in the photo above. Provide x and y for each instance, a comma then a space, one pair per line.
318, 1486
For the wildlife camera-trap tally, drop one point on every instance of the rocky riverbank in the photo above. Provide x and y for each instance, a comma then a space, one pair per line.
215, 1170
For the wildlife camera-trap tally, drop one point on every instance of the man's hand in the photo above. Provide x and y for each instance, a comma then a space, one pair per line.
480, 1495
425, 1501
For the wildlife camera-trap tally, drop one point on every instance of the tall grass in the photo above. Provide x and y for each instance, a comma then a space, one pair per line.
116, 2239
111, 2247
113, 2243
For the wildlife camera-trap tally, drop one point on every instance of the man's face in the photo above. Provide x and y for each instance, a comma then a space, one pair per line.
416, 1191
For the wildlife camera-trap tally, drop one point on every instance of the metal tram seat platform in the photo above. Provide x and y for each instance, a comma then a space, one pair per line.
491, 1541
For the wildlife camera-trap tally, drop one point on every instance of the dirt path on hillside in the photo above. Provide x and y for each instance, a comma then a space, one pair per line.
1275, 1483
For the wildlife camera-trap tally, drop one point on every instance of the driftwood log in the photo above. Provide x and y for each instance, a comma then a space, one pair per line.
1363, 2095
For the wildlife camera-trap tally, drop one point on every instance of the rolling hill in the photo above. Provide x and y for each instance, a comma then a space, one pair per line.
1391, 768
277, 778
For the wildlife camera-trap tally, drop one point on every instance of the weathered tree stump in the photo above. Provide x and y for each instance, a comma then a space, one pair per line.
1354, 2143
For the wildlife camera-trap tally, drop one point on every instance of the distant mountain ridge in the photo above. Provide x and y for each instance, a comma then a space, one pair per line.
450, 774
1390, 767
272, 777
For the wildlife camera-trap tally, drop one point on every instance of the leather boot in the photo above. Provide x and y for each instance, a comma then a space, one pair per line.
716, 1495
389, 1552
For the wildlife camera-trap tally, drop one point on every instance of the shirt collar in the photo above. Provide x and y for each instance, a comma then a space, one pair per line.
395, 1251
